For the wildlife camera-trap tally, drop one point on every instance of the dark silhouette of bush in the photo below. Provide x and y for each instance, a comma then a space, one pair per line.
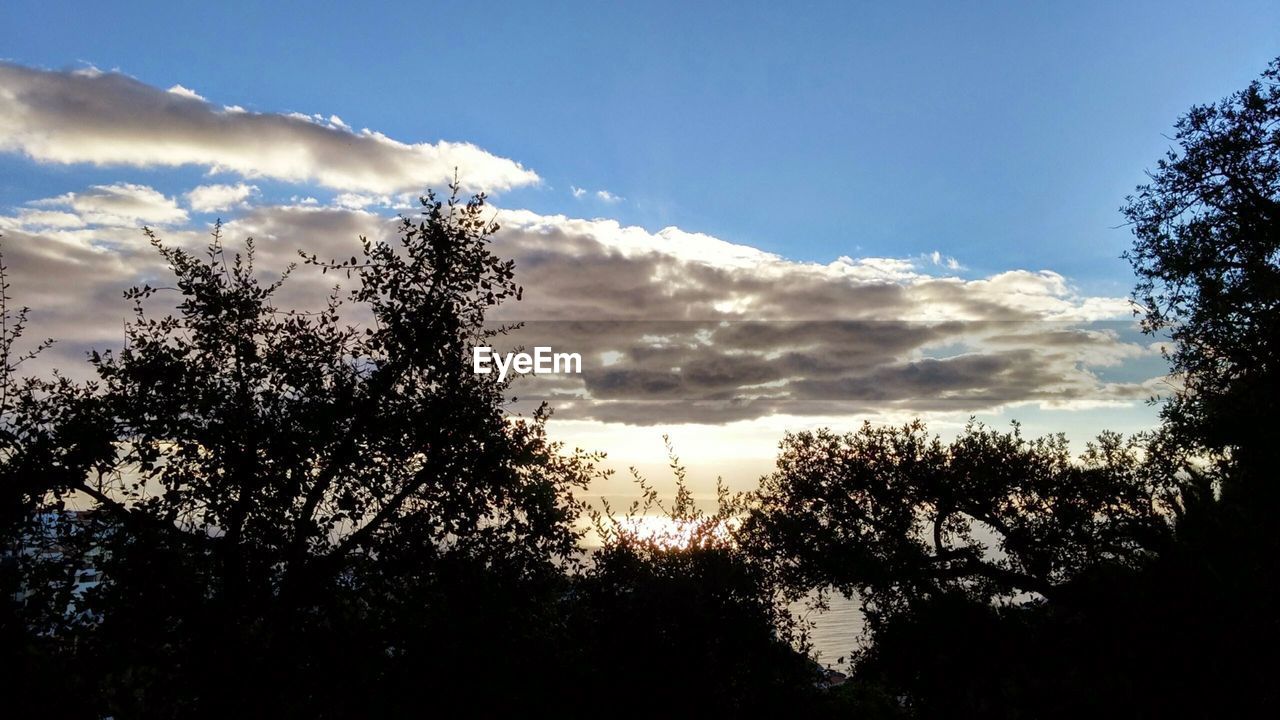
678, 619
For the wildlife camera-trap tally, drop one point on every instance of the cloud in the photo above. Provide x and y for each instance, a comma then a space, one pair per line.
601, 195
73, 281
118, 205
186, 92
674, 326
357, 201
950, 263
683, 327
210, 198
106, 118
29, 217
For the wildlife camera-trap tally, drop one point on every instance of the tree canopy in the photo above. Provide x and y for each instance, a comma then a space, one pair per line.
256, 470
897, 517
1207, 256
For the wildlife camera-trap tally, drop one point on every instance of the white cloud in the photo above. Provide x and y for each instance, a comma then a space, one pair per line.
186, 92
672, 262
31, 218
111, 119
946, 261
118, 205
601, 195
211, 198
358, 201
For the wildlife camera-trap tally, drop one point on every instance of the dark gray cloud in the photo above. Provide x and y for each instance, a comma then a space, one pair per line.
672, 327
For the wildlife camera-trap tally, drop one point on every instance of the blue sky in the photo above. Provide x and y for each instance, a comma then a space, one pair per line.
1004, 134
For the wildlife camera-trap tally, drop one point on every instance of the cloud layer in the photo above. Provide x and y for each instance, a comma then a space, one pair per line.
672, 326
111, 119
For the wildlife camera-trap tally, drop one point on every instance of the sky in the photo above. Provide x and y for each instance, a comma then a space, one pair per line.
898, 164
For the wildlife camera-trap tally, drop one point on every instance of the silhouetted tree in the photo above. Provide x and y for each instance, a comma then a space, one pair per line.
1207, 255
49, 435
1002, 577
895, 516
276, 485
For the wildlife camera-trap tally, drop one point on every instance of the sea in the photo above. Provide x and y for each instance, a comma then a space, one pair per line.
835, 632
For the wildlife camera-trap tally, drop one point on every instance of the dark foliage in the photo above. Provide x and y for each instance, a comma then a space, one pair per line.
288, 504
1207, 255
970, 559
894, 515
677, 606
